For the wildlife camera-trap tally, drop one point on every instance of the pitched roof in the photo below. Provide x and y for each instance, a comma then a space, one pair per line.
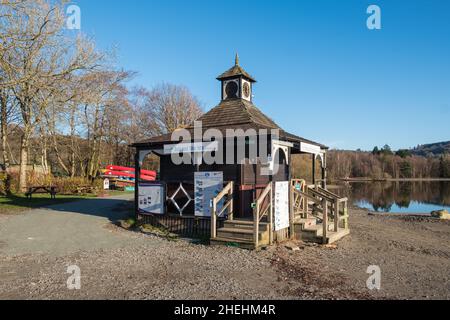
236, 70
234, 114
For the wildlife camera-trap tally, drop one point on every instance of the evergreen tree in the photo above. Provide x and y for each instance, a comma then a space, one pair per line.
376, 151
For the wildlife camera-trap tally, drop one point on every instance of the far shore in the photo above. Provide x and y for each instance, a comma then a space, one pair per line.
392, 179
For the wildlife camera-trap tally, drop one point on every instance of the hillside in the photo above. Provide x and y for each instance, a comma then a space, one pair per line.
435, 149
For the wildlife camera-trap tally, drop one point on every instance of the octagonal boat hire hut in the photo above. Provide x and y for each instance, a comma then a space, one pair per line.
227, 178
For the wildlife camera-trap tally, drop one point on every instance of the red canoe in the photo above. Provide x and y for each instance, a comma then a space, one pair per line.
128, 175
126, 169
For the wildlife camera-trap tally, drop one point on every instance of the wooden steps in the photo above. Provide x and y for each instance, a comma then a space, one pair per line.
239, 233
315, 234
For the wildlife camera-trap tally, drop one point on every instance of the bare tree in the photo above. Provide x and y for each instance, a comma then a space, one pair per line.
36, 57
167, 107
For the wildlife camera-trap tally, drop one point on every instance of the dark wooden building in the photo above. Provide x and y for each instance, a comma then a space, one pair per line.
250, 143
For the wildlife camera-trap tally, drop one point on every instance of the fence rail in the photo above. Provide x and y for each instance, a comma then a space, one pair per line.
228, 206
261, 212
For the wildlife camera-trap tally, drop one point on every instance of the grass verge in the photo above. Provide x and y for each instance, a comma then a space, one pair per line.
18, 202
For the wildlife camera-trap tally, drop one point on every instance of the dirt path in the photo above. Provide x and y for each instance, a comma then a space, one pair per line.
116, 264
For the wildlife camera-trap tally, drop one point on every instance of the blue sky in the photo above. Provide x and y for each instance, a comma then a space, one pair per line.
321, 73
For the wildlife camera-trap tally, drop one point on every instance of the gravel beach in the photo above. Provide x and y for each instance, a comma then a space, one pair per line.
412, 253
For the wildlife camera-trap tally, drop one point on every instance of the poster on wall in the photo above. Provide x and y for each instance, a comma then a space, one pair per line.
207, 186
281, 205
151, 198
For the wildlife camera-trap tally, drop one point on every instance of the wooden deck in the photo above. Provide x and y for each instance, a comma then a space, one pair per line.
316, 215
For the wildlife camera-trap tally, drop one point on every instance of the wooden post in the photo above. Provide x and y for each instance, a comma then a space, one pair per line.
305, 202
314, 169
137, 168
336, 215
291, 214
324, 178
325, 221
346, 215
213, 220
256, 225
271, 215
231, 214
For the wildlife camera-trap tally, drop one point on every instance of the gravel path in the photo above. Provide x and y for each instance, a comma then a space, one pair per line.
413, 255
64, 228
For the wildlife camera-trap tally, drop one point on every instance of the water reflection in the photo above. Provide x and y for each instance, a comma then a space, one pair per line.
413, 197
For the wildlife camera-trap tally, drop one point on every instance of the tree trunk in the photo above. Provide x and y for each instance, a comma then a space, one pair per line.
44, 154
72, 142
4, 132
23, 164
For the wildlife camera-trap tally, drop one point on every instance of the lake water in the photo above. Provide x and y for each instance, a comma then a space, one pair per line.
399, 197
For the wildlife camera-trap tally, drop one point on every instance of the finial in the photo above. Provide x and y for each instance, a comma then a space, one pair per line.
237, 59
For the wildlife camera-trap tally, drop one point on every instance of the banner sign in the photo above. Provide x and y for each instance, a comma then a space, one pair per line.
281, 205
309, 148
198, 147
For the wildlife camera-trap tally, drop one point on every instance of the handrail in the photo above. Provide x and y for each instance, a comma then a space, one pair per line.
258, 215
298, 203
325, 221
321, 195
337, 201
331, 206
329, 194
228, 190
308, 196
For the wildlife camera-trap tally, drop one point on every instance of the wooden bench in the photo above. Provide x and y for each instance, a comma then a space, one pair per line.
41, 189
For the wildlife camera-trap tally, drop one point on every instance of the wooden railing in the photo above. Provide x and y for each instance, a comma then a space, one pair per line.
323, 201
299, 203
228, 206
260, 212
336, 202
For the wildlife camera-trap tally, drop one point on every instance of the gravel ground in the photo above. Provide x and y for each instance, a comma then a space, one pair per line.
413, 255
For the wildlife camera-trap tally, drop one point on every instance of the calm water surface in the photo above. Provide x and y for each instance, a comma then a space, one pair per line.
399, 197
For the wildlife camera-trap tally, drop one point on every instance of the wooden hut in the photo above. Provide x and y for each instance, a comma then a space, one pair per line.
235, 200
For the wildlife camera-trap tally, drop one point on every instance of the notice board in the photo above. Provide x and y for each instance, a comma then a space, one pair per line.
151, 198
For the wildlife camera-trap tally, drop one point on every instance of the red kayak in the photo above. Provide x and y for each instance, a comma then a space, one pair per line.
128, 175
130, 170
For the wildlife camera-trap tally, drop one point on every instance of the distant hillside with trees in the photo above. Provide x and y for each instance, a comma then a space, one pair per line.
433, 149
430, 161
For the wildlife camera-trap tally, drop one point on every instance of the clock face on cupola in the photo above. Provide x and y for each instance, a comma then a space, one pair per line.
236, 83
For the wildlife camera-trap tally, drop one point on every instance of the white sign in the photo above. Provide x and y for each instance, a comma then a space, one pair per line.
106, 184
207, 186
309, 148
198, 147
151, 198
281, 205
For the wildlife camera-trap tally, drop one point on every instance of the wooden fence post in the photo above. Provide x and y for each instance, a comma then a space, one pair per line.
213, 220
325, 220
256, 225
231, 215
336, 215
